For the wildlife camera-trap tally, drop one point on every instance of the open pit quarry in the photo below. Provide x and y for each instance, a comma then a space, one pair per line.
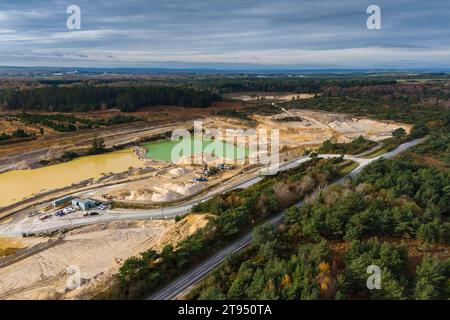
99, 249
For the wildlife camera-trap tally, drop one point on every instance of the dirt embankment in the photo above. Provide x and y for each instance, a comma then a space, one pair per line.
301, 130
97, 251
305, 127
51, 149
9, 246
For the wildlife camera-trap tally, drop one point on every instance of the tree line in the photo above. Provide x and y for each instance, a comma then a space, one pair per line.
88, 97
325, 247
68, 122
287, 84
271, 269
399, 102
355, 146
15, 135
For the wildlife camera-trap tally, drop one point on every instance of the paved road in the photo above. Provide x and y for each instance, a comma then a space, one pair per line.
184, 283
35, 226
187, 281
54, 224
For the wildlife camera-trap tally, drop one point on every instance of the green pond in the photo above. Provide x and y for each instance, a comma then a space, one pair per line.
162, 150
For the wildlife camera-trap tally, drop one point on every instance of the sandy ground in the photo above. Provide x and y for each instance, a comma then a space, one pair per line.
9, 246
306, 129
98, 251
273, 96
312, 127
167, 184
171, 183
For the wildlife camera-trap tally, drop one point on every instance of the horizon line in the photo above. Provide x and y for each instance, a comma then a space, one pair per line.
235, 68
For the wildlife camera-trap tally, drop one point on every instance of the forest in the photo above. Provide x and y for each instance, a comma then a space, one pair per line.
392, 210
356, 146
272, 269
287, 84
410, 103
67, 122
85, 97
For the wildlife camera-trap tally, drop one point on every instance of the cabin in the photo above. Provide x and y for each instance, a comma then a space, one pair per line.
84, 204
61, 201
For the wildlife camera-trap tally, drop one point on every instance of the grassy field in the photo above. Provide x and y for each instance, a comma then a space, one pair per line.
376, 153
347, 167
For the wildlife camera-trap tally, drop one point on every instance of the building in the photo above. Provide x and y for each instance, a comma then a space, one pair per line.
61, 201
84, 204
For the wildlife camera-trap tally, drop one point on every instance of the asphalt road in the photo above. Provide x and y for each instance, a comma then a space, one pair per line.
188, 280
35, 226
184, 283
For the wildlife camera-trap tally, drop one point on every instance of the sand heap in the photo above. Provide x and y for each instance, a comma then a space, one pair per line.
167, 191
207, 158
178, 171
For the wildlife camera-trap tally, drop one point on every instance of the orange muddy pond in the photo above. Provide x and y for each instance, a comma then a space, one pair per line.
19, 184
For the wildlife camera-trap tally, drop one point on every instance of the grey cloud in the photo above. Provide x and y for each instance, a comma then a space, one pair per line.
283, 32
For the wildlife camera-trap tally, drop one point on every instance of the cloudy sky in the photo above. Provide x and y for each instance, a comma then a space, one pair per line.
231, 33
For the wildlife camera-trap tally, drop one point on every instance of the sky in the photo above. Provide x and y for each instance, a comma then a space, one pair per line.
226, 34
